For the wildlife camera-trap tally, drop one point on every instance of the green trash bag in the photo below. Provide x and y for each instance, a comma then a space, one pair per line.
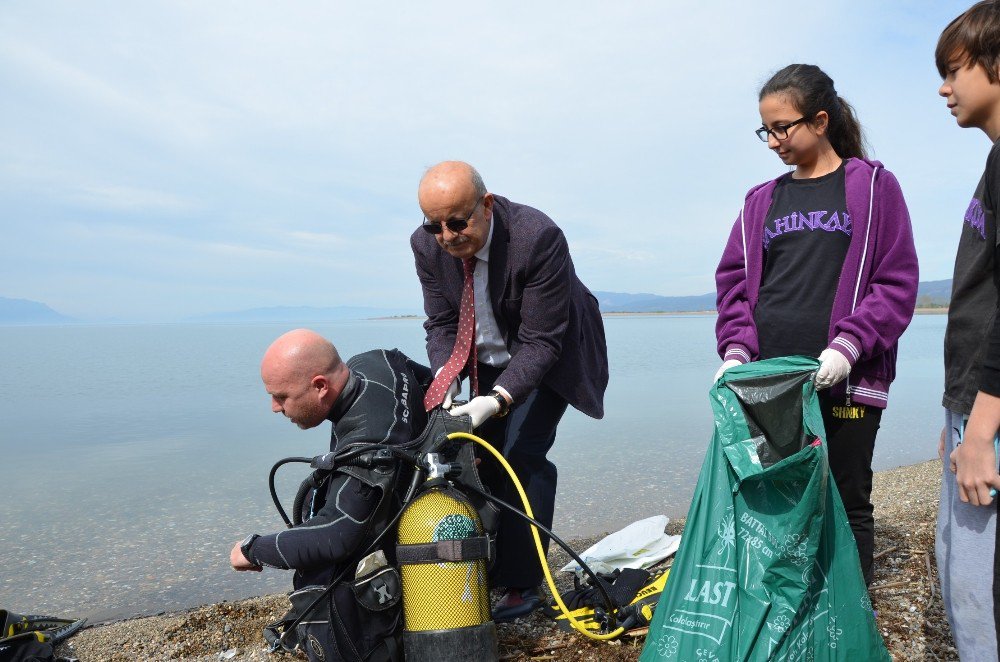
767, 568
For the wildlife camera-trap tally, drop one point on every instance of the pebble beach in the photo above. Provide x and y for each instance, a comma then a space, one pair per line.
906, 595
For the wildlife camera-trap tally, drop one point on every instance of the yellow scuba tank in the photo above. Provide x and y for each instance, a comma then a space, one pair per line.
442, 554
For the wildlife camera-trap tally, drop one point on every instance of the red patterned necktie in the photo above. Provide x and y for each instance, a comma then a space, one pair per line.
465, 345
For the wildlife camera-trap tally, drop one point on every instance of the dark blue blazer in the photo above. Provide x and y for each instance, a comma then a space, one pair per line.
550, 321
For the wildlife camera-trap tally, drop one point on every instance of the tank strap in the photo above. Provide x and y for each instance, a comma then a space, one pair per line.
455, 551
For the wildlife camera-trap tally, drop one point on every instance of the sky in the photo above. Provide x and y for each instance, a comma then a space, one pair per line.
160, 160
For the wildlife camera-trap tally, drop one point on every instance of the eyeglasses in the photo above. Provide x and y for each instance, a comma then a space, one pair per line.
456, 225
779, 132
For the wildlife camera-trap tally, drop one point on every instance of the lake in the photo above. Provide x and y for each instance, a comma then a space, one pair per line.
134, 456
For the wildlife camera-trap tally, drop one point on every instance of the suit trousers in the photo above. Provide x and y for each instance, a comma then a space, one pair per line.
850, 440
523, 437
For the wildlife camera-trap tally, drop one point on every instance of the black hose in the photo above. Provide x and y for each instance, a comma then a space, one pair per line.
609, 604
415, 482
349, 455
344, 458
309, 483
274, 492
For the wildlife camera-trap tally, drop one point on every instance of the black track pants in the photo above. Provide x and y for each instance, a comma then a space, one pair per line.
850, 444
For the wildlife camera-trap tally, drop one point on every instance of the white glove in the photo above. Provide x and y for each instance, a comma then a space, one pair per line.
478, 409
726, 365
453, 390
834, 368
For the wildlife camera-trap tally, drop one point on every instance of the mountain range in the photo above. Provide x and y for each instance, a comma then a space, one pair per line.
24, 311
930, 294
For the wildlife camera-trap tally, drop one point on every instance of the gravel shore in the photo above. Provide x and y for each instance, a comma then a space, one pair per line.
905, 594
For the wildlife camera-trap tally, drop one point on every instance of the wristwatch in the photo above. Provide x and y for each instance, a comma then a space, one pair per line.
504, 405
246, 544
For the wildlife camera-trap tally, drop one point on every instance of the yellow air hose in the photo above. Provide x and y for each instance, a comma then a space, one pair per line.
577, 625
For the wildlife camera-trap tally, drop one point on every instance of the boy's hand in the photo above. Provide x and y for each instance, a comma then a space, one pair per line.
974, 462
941, 445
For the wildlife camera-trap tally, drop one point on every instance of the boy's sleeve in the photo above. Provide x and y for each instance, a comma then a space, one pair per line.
989, 375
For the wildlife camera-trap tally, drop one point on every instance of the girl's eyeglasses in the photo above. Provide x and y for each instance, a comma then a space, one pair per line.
779, 132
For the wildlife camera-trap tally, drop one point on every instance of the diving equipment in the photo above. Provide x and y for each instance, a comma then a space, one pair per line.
46, 628
445, 529
442, 553
34, 637
635, 603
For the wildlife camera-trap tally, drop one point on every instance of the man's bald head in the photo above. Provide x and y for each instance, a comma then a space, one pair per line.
304, 375
454, 191
453, 178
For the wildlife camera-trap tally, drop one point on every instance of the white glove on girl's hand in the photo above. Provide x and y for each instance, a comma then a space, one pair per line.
478, 409
731, 363
453, 390
834, 367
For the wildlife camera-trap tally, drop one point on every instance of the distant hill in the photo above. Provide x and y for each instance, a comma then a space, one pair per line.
300, 314
621, 302
23, 311
934, 294
930, 294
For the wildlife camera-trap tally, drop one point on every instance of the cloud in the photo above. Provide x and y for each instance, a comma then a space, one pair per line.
125, 198
242, 144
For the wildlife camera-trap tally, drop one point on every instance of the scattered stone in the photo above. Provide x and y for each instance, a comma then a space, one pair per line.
908, 607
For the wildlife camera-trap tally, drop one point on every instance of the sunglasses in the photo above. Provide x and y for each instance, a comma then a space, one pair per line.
456, 225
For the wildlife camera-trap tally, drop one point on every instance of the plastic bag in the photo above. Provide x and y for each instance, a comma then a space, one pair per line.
769, 569
641, 544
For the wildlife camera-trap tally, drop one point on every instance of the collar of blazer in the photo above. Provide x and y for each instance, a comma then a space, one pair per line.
498, 251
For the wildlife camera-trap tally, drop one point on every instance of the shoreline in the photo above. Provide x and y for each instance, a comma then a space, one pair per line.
910, 618
654, 313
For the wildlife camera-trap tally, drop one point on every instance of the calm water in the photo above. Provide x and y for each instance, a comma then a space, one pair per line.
133, 457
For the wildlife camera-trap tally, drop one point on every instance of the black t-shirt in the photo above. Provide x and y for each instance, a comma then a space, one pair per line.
974, 297
806, 236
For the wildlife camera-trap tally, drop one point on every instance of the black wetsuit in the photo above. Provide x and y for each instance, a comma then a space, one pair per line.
382, 402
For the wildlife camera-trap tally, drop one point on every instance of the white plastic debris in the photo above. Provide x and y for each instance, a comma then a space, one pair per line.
639, 545
227, 654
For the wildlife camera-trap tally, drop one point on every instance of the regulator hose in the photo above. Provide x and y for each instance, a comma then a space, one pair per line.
350, 456
274, 492
530, 517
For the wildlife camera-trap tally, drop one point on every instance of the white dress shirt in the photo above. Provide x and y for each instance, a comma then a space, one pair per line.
490, 345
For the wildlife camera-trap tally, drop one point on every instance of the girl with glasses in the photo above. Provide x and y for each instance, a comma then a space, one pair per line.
821, 262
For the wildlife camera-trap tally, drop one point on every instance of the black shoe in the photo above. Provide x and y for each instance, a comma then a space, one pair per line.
517, 602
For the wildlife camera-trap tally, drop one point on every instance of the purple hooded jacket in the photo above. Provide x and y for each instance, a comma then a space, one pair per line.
875, 296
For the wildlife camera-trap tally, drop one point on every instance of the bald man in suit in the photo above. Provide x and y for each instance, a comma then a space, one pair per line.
539, 345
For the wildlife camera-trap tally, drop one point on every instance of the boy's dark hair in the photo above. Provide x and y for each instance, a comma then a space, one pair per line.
811, 91
974, 36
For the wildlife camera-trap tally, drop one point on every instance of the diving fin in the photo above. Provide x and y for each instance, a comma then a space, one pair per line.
636, 614
45, 628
